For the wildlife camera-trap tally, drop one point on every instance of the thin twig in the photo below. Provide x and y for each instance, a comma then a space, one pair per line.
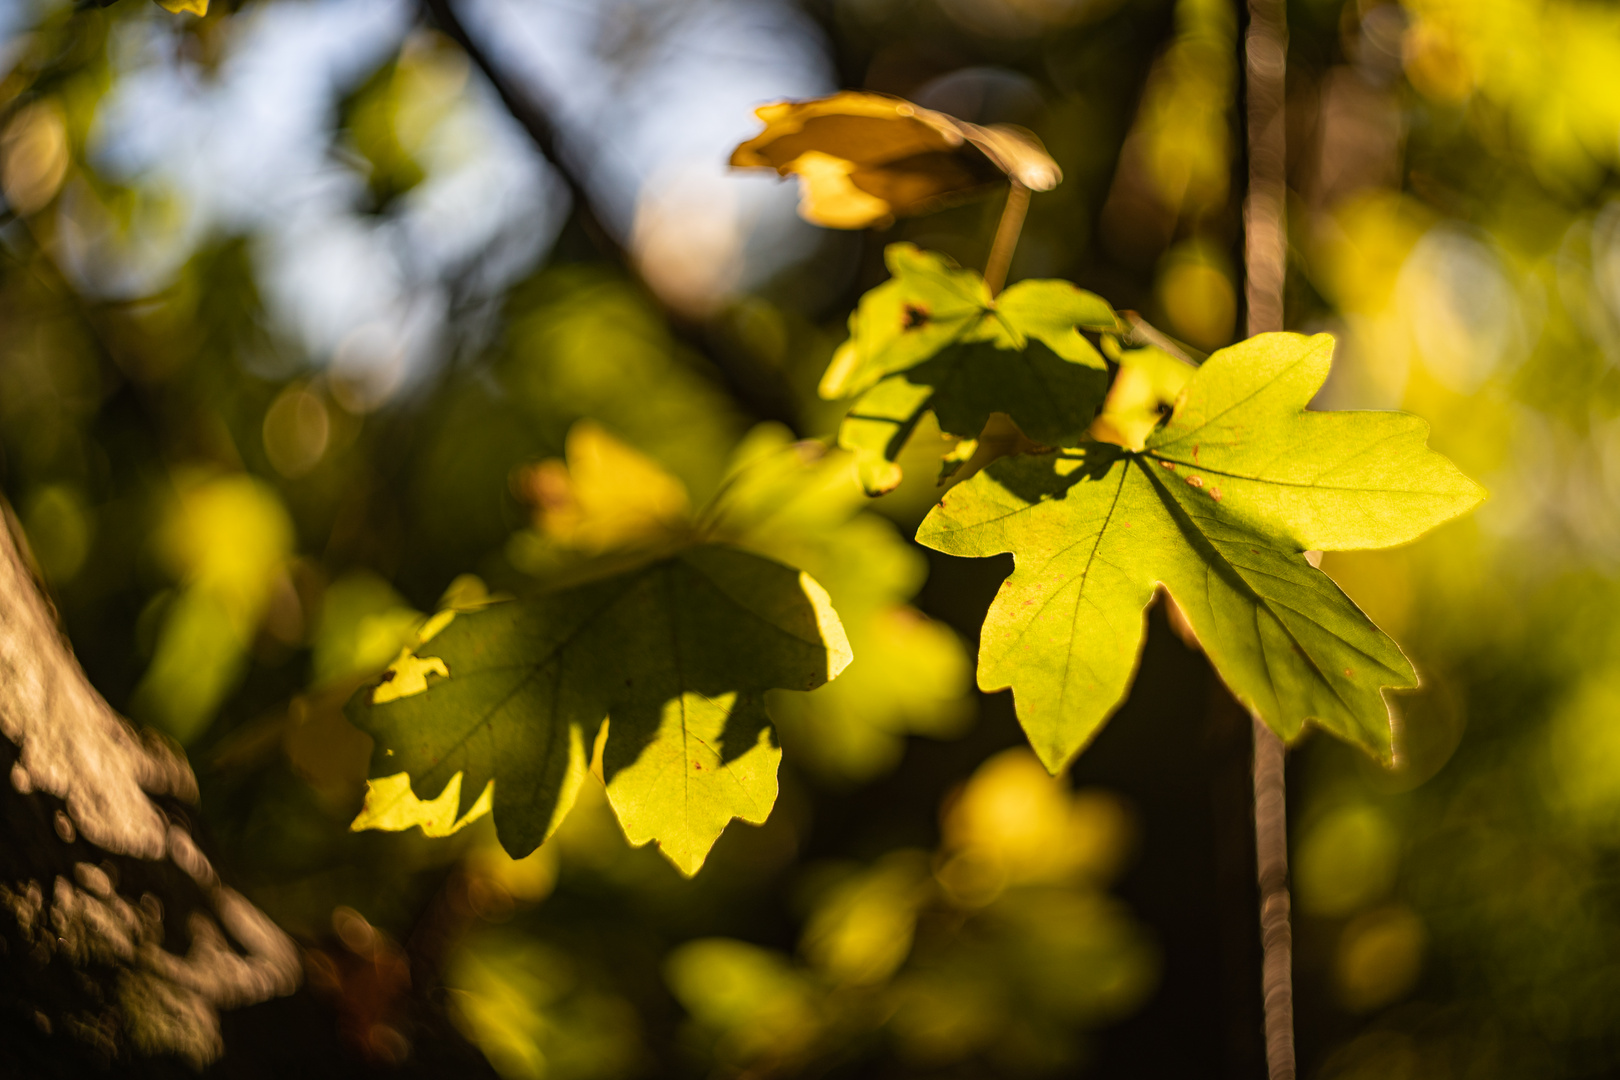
1265, 263
1012, 223
1276, 935
1264, 224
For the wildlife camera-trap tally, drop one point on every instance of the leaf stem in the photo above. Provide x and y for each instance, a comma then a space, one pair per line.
1148, 334
1011, 224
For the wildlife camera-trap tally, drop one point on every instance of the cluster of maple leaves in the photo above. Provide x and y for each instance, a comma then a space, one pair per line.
1109, 469
1127, 469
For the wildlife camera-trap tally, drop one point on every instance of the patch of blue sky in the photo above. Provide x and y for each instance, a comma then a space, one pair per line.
249, 150
644, 89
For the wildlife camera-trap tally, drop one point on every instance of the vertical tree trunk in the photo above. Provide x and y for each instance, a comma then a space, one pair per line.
117, 938
1265, 262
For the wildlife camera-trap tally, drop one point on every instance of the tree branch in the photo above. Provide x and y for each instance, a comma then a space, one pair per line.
535, 117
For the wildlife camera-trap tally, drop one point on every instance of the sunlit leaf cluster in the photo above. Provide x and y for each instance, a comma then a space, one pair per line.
1211, 484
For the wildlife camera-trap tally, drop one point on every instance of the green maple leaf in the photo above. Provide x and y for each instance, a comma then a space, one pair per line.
1219, 506
931, 338
675, 657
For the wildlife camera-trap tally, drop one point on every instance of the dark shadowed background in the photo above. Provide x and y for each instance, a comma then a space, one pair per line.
295, 295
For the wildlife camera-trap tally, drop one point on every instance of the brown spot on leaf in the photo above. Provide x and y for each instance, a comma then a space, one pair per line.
1196, 481
1215, 493
1349, 673
1168, 464
698, 765
1195, 451
915, 316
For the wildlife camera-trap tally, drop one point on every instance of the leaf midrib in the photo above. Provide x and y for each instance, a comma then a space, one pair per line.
1180, 512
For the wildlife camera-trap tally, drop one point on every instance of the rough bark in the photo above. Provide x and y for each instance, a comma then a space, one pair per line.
116, 934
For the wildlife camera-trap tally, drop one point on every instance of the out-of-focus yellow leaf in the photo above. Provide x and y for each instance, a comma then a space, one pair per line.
752, 997
1196, 291
1347, 861
1015, 824
363, 625
34, 155
861, 933
606, 495
229, 535
1582, 764
1178, 152
399, 116
198, 8
533, 1014
596, 347
862, 159
201, 654
943, 1017
229, 540
392, 805
1550, 69
913, 677
529, 879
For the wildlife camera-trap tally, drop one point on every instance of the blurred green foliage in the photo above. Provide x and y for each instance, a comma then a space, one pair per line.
1000, 944
237, 538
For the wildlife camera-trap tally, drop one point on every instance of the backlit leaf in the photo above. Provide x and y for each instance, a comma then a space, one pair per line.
932, 339
799, 504
862, 159
1219, 506
675, 656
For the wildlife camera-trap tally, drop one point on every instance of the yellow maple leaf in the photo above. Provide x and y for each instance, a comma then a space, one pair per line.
862, 159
